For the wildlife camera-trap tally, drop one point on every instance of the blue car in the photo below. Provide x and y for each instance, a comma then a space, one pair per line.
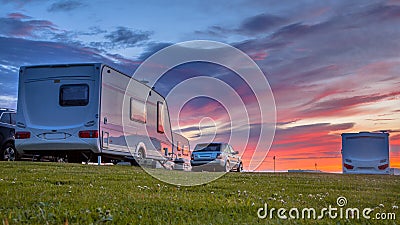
215, 157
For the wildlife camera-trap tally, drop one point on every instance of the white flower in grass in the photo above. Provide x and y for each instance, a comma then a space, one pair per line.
381, 205
395, 207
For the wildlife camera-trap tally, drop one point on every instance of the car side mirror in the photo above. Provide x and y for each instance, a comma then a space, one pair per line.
236, 152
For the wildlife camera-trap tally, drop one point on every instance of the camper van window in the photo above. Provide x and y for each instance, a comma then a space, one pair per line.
74, 95
138, 110
160, 117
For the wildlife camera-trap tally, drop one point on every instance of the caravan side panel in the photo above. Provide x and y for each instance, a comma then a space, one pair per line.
134, 128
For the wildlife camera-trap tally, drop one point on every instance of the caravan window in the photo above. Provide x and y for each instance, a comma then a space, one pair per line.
74, 95
160, 117
138, 110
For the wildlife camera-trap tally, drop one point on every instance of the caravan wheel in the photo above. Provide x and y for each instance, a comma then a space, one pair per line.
140, 155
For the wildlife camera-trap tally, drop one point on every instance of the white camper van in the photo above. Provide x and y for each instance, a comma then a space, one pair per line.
365, 153
74, 110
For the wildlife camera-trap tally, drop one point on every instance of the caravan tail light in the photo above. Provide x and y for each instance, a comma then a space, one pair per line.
89, 134
22, 135
384, 166
347, 166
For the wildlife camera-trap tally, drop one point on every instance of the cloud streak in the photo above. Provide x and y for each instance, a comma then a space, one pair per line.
20, 25
65, 6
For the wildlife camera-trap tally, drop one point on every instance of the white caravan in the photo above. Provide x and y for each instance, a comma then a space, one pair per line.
365, 153
74, 110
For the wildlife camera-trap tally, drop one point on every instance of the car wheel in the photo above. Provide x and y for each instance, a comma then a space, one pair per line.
8, 152
227, 166
240, 167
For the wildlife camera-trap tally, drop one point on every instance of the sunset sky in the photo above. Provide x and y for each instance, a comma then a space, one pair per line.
333, 66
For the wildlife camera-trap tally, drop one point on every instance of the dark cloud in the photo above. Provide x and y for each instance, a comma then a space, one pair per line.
285, 122
64, 6
72, 37
383, 12
123, 37
126, 37
215, 31
260, 24
294, 30
94, 30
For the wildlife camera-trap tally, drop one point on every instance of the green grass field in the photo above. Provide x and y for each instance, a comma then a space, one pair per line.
57, 193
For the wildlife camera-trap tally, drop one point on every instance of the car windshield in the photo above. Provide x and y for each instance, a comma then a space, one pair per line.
208, 147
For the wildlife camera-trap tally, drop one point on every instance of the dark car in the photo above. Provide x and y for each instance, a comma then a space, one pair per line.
7, 135
215, 157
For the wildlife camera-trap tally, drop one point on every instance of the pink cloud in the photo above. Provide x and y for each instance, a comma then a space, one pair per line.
260, 55
20, 25
18, 16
